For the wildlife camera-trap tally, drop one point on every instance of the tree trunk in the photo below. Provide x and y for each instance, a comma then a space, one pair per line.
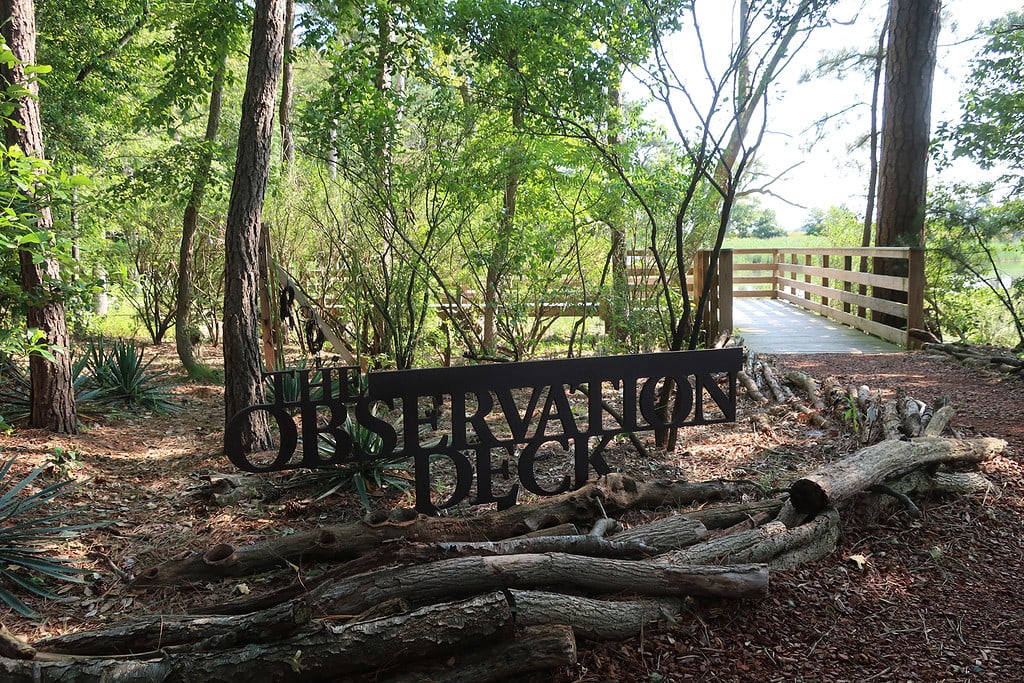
53, 399
535, 648
836, 484
183, 337
498, 264
460, 577
242, 364
593, 619
913, 30
616, 324
330, 653
287, 88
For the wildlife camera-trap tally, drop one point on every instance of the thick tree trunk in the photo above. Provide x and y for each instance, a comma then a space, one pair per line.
843, 479
424, 584
53, 399
913, 30
593, 619
535, 648
330, 653
183, 335
149, 634
242, 364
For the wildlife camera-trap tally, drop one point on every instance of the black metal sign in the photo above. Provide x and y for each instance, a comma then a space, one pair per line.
488, 416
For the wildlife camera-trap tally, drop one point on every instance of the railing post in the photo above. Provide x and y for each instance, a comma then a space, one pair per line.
847, 285
824, 280
775, 273
915, 294
808, 262
725, 273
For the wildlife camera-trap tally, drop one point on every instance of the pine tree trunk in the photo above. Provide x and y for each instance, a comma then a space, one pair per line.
242, 363
913, 29
53, 399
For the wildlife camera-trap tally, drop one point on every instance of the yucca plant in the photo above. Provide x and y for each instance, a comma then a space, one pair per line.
25, 526
362, 475
119, 376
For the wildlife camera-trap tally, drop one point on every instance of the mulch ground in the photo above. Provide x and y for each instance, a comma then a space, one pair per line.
936, 598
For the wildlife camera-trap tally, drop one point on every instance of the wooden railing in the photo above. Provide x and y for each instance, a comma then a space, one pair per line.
835, 283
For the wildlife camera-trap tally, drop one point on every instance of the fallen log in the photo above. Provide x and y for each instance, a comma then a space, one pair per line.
593, 619
890, 422
199, 633
845, 478
750, 386
448, 579
667, 533
723, 549
781, 393
927, 484
330, 653
724, 516
615, 494
535, 648
808, 542
940, 420
809, 387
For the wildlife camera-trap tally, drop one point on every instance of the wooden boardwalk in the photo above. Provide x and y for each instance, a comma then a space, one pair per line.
774, 326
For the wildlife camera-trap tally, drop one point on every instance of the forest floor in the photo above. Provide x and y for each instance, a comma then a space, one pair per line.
938, 598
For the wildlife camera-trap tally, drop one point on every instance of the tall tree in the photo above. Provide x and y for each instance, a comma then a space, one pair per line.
242, 363
913, 31
53, 400
287, 88
183, 341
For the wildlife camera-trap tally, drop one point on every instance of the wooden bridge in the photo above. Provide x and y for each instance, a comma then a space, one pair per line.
821, 300
769, 296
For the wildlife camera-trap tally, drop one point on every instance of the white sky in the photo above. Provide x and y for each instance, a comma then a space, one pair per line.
830, 172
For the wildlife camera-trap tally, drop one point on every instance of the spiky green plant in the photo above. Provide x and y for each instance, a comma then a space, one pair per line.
25, 527
121, 377
362, 475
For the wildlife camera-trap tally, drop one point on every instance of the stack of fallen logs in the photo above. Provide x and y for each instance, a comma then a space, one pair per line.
980, 358
857, 409
409, 598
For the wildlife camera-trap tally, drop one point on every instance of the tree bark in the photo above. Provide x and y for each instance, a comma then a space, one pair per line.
836, 484
242, 364
199, 633
287, 88
593, 619
447, 579
913, 30
667, 533
52, 392
183, 341
331, 653
535, 648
